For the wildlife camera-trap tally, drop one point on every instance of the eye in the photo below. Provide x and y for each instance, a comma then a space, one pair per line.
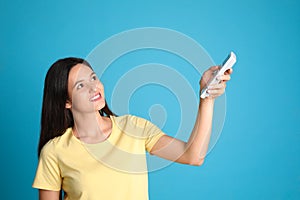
79, 86
94, 77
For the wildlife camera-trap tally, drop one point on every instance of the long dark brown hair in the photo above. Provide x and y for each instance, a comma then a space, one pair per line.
56, 118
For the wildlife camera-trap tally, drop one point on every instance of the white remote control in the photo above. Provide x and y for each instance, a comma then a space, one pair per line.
227, 64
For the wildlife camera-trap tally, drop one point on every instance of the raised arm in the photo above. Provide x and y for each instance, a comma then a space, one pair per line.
194, 150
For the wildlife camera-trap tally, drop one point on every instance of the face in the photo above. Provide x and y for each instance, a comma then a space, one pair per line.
85, 90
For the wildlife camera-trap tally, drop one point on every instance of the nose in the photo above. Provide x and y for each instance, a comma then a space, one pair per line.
93, 87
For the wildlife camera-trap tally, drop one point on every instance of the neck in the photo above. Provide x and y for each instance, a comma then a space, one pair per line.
91, 127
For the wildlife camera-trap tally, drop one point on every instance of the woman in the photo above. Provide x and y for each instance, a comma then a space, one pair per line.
88, 152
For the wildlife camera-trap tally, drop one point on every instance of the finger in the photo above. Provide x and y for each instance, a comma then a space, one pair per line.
229, 71
214, 68
209, 73
217, 86
216, 92
224, 78
213, 96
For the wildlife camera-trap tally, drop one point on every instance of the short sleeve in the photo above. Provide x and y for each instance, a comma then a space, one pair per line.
154, 134
48, 174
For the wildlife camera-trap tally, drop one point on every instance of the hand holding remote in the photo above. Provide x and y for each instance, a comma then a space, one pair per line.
227, 64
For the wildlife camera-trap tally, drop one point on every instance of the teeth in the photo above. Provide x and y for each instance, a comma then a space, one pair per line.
95, 97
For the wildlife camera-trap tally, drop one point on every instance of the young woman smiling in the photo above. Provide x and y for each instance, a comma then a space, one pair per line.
88, 152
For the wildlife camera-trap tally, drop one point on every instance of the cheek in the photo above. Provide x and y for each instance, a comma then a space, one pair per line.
99, 83
78, 97
101, 87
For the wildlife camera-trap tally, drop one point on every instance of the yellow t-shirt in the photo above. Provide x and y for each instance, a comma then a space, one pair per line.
111, 170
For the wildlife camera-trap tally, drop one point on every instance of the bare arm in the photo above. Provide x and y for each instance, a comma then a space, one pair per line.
194, 150
48, 195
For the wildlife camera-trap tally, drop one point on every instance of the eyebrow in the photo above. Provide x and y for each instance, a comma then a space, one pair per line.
82, 80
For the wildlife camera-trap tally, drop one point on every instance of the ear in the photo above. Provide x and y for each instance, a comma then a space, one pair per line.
68, 104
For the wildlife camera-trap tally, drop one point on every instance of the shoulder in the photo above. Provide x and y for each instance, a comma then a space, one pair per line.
131, 120
136, 126
52, 145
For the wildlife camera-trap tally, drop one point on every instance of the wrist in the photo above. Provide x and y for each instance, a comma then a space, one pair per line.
207, 100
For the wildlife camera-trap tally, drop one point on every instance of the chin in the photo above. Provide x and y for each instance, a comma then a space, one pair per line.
101, 106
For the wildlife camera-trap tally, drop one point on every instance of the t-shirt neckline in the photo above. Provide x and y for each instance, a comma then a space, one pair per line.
108, 139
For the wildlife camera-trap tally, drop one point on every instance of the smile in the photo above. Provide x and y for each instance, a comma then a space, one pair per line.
96, 97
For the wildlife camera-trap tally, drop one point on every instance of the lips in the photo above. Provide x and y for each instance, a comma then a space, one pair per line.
96, 97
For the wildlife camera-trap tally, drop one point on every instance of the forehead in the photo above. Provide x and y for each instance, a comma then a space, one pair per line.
79, 71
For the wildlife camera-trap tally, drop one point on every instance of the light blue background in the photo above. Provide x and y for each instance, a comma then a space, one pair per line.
257, 156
